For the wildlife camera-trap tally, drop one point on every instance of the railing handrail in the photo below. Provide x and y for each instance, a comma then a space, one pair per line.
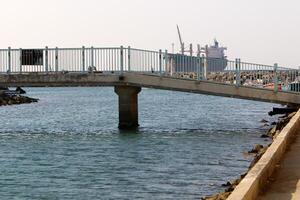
144, 50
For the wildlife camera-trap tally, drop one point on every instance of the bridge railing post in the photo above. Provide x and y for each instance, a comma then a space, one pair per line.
166, 62
20, 60
198, 67
83, 58
56, 59
9, 59
92, 57
275, 78
204, 66
46, 59
122, 59
238, 72
160, 62
129, 58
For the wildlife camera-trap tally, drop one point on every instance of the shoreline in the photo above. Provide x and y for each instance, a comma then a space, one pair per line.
257, 152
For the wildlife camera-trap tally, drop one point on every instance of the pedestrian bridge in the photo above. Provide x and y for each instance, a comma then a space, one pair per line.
129, 70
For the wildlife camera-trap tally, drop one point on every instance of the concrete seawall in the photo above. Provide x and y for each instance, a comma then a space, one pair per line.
257, 178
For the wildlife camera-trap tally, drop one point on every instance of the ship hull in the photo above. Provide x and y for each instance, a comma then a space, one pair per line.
183, 63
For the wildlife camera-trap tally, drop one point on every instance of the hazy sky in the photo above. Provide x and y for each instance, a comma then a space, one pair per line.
263, 31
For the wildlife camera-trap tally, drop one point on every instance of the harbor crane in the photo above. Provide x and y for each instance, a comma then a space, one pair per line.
182, 47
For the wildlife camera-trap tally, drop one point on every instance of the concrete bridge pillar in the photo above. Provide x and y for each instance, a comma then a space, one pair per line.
128, 106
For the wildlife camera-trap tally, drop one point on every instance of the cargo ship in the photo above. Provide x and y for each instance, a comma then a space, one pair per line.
186, 60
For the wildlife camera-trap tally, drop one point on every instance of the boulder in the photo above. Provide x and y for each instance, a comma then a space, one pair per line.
264, 121
256, 149
264, 136
272, 131
20, 90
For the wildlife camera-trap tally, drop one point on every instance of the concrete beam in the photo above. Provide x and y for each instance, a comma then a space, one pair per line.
212, 88
150, 81
128, 106
59, 80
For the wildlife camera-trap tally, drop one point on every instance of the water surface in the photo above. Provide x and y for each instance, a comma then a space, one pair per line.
68, 145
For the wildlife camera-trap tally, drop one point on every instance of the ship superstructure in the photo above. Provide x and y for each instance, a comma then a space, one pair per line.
215, 51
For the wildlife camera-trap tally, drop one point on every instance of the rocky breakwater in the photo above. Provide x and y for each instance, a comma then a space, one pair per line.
14, 97
257, 152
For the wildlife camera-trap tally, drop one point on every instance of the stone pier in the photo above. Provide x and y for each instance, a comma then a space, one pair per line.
128, 106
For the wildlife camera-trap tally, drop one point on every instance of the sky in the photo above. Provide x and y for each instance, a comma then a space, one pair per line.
258, 31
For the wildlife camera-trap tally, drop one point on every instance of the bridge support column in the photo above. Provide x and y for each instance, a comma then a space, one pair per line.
128, 106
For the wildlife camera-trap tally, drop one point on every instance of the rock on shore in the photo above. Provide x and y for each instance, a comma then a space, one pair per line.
15, 100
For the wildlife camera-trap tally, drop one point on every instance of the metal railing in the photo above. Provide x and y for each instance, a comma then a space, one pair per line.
162, 63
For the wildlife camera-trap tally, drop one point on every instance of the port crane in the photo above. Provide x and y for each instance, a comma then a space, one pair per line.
182, 47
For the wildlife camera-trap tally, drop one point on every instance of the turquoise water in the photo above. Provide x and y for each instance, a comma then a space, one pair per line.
68, 145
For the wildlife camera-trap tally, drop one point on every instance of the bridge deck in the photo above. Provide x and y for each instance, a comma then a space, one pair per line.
150, 81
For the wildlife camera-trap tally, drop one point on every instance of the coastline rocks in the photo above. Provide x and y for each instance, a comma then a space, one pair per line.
226, 184
15, 100
283, 121
264, 136
225, 194
272, 131
258, 155
20, 90
258, 151
265, 125
264, 121
220, 196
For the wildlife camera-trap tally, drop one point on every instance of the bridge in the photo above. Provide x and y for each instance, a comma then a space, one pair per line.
129, 70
